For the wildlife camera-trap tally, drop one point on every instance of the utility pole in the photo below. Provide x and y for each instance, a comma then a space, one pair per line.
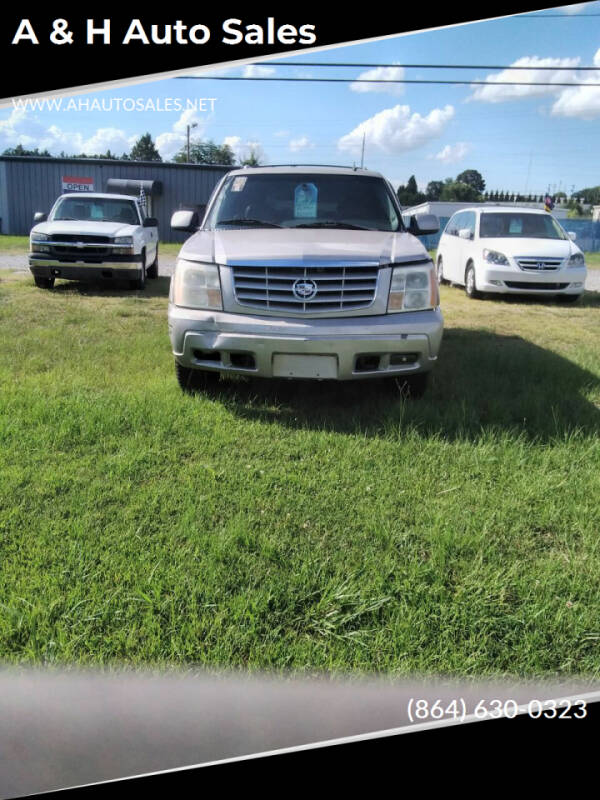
193, 125
362, 157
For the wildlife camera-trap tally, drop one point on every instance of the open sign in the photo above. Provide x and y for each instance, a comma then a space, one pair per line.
74, 184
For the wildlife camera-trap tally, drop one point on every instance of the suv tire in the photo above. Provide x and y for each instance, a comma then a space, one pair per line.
195, 380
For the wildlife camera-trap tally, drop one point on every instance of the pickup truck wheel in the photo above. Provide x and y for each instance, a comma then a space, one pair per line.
152, 271
44, 283
140, 283
195, 380
471, 289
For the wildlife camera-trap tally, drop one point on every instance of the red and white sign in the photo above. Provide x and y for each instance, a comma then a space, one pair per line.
71, 183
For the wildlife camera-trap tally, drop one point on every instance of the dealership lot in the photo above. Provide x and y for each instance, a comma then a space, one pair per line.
293, 526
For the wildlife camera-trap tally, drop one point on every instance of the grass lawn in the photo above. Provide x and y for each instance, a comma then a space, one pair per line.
298, 526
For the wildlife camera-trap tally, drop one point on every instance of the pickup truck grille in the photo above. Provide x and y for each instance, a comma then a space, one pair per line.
305, 289
539, 264
76, 237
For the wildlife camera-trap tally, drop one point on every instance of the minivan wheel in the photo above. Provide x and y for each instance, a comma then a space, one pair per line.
43, 283
440, 271
471, 289
195, 380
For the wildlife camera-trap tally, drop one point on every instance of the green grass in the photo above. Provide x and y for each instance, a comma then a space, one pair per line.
298, 526
592, 260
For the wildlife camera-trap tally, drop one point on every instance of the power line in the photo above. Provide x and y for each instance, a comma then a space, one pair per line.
360, 65
372, 80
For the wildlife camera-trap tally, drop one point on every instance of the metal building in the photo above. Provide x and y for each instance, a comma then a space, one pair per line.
32, 183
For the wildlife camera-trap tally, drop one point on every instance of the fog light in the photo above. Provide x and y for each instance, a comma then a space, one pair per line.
577, 285
496, 283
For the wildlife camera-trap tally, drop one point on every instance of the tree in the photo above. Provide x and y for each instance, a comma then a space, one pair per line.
144, 150
19, 150
434, 190
410, 195
253, 156
472, 178
458, 192
590, 195
206, 152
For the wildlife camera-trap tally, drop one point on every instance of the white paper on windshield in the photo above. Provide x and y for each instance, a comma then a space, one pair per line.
238, 184
516, 226
305, 200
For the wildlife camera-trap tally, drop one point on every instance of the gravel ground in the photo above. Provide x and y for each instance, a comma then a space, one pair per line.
18, 262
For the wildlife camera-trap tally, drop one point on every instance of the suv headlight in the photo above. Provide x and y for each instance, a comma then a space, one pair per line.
197, 285
576, 260
413, 289
494, 257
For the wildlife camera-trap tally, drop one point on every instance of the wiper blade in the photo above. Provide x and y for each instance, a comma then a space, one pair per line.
245, 221
333, 224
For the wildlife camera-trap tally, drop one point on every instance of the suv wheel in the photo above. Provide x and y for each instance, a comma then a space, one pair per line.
413, 386
152, 271
195, 380
140, 283
440, 271
44, 283
471, 289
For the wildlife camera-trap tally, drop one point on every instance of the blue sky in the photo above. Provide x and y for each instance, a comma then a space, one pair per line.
522, 139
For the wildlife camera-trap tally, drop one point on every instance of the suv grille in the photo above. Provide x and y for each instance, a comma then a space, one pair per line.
306, 289
539, 264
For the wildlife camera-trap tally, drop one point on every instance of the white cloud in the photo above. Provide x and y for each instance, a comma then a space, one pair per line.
381, 74
257, 71
395, 130
452, 153
580, 101
242, 149
170, 142
301, 143
494, 93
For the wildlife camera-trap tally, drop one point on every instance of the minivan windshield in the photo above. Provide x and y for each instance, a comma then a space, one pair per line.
96, 209
305, 200
519, 225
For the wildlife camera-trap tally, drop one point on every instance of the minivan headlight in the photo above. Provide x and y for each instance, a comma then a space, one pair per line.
197, 285
576, 260
413, 289
494, 257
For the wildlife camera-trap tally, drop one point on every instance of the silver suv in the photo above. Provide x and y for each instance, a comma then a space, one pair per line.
304, 272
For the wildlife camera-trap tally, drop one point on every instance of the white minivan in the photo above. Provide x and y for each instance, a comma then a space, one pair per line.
511, 251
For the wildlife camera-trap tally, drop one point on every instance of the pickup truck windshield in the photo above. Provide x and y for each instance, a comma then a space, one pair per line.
305, 200
96, 209
519, 226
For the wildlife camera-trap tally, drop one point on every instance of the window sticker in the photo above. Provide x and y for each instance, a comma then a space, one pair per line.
238, 183
305, 200
516, 226
96, 212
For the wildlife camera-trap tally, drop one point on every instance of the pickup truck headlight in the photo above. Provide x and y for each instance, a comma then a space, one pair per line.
494, 257
40, 237
35, 243
197, 285
576, 260
125, 240
413, 289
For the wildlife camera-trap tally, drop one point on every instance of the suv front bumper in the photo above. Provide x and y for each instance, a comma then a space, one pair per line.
353, 348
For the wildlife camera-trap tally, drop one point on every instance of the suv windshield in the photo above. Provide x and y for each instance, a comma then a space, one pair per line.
96, 209
305, 200
519, 226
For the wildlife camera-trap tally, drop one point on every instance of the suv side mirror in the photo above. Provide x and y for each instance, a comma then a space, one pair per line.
422, 224
40, 216
150, 222
185, 221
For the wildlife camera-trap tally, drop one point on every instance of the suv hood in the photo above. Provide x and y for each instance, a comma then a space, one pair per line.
87, 227
303, 245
